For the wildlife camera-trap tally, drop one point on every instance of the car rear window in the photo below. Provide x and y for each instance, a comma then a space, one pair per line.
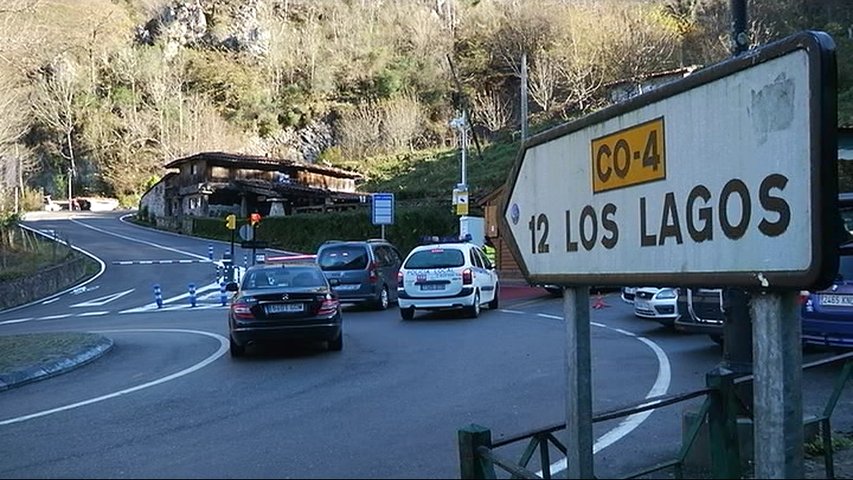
343, 257
285, 277
436, 258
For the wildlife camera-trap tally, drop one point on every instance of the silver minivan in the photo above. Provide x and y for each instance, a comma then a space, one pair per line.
366, 270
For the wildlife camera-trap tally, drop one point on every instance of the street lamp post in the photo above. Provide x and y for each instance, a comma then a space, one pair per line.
461, 124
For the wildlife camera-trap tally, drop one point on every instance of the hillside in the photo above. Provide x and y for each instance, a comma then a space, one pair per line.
110, 91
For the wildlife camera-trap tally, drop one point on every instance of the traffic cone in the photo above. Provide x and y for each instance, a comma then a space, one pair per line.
599, 302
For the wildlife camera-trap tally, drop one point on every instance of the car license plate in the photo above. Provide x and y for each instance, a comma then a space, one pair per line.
837, 300
432, 286
347, 286
641, 304
285, 307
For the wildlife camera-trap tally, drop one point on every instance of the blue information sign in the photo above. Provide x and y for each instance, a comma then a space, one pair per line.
383, 209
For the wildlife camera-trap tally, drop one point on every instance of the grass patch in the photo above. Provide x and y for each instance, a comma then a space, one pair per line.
839, 442
20, 263
20, 351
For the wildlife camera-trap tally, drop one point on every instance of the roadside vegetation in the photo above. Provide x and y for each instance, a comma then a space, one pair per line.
102, 93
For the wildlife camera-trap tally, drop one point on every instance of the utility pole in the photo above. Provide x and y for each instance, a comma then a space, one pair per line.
737, 328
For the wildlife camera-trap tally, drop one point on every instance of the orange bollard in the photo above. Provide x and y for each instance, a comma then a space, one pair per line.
599, 302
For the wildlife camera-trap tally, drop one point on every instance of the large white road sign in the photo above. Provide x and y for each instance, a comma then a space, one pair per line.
724, 178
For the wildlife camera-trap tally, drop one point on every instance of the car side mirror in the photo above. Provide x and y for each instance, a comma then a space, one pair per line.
334, 282
231, 287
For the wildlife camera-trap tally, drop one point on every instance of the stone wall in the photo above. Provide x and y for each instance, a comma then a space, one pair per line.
43, 283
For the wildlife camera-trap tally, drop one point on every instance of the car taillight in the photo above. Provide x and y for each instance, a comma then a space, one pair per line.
242, 310
806, 300
400, 279
373, 275
329, 305
467, 277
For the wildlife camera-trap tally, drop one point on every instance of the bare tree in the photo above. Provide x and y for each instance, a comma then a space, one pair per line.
495, 112
53, 103
358, 130
402, 120
543, 81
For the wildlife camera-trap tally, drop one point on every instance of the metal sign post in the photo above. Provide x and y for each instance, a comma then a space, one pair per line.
578, 383
725, 178
778, 393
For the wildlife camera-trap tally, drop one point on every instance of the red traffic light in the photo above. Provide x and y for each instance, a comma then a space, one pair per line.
254, 218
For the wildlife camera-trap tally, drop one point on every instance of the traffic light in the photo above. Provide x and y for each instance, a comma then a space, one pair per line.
231, 222
254, 219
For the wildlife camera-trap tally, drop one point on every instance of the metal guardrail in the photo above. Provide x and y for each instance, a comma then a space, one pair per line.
722, 407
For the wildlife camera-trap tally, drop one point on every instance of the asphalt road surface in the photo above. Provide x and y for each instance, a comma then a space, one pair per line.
168, 402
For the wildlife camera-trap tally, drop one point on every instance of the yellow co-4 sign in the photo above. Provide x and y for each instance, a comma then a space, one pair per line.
231, 222
630, 156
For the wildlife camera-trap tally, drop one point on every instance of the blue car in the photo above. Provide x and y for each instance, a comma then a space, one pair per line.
828, 314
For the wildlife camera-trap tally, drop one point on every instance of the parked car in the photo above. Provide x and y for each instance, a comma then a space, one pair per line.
701, 311
366, 270
447, 275
827, 315
657, 304
284, 301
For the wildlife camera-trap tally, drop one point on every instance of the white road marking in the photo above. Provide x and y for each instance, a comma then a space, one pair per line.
84, 289
153, 306
629, 423
152, 244
55, 317
517, 312
19, 320
101, 301
223, 347
92, 314
626, 426
56, 296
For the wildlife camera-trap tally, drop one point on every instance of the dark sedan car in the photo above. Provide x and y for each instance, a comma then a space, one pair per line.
280, 302
828, 314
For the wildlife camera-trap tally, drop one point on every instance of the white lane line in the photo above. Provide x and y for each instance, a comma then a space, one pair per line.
54, 317
153, 306
92, 314
545, 315
151, 244
223, 347
19, 320
101, 301
517, 312
56, 296
629, 423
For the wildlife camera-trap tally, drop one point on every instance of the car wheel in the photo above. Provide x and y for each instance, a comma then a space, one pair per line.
383, 301
555, 291
474, 310
235, 349
495, 303
407, 313
337, 344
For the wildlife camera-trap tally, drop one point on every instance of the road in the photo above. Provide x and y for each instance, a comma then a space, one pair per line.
168, 401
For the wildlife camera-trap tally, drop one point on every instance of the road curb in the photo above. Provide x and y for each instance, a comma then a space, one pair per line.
53, 367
